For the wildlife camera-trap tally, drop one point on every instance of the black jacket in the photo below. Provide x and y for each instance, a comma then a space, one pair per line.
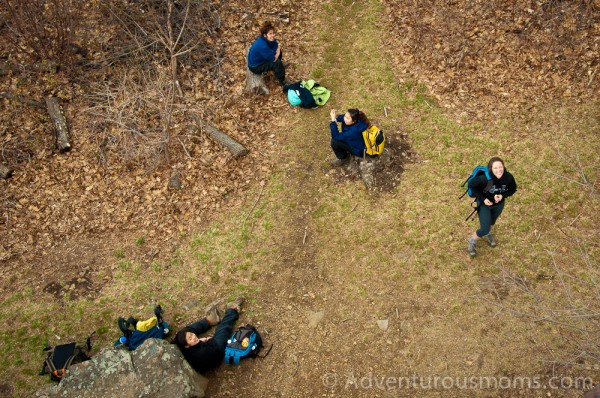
306, 98
204, 356
505, 186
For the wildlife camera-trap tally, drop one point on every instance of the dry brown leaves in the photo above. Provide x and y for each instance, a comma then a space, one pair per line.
481, 57
96, 190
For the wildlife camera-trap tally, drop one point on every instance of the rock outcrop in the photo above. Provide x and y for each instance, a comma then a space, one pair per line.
155, 369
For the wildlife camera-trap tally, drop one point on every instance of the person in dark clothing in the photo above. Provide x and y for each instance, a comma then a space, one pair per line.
265, 54
490, 197
350, 140
207, 353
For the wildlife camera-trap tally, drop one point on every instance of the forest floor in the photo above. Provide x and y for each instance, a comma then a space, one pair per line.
366, 293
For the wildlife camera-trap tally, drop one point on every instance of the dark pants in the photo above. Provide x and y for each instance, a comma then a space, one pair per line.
487, 217
341, 149
224, 329
277, 68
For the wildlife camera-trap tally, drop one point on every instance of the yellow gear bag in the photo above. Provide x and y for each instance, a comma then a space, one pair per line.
374, 140
144, 326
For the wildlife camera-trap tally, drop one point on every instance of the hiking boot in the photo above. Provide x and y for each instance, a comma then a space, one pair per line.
158, 312
236, 304
122, 325
490, 239
471, 247
131, 321
213, 317
339, 162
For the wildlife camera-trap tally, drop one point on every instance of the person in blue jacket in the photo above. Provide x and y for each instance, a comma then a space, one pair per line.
265, 54
350, 140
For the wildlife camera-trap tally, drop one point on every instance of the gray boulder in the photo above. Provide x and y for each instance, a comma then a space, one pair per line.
155, 369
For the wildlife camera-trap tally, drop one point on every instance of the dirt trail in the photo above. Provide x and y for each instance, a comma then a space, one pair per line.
314, 310
299, 302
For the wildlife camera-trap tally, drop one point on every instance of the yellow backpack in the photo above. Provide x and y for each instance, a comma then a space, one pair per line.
374, 140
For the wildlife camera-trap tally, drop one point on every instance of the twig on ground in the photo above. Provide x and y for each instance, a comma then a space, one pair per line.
575, 219
566, 178
591, 79
186, 151
255, 203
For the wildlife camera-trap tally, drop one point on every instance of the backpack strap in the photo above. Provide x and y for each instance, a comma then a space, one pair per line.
488, 186
232, 357
268, 350
47, 366
475, 209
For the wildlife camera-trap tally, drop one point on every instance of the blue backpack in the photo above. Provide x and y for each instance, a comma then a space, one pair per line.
244, 343
477, 171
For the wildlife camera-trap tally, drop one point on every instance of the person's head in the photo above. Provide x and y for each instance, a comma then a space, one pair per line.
353, 115
186, 338
267, 30
496, 166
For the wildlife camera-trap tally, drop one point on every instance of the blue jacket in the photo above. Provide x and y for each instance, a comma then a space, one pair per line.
138, 337
351, 135
262, 51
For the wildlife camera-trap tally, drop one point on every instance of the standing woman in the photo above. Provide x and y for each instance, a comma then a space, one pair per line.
350, 141
265, 54
490, 200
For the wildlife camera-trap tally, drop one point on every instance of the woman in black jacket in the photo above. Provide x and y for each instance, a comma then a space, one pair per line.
206, 353
490, 196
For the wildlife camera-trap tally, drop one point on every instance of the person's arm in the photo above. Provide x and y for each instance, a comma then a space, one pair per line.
333, 127
260, 53
278, 51
511, 187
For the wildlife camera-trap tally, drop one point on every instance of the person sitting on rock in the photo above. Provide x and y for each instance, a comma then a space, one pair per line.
265, 54
350, 141
154, 327
207, 353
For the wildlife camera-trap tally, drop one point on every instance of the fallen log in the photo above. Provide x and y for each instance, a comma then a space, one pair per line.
254, 83
44, 67
236, 149
53, 108
281, 16
23, 99
5, 171
60, 124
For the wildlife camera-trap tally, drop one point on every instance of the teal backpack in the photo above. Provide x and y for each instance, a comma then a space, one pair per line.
244, 343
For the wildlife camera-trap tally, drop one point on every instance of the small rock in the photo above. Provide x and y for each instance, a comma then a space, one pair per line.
314, 318
191, 304
175, 182
383, 324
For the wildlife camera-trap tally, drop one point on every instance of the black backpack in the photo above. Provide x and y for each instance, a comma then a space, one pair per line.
477, 171
62, 356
